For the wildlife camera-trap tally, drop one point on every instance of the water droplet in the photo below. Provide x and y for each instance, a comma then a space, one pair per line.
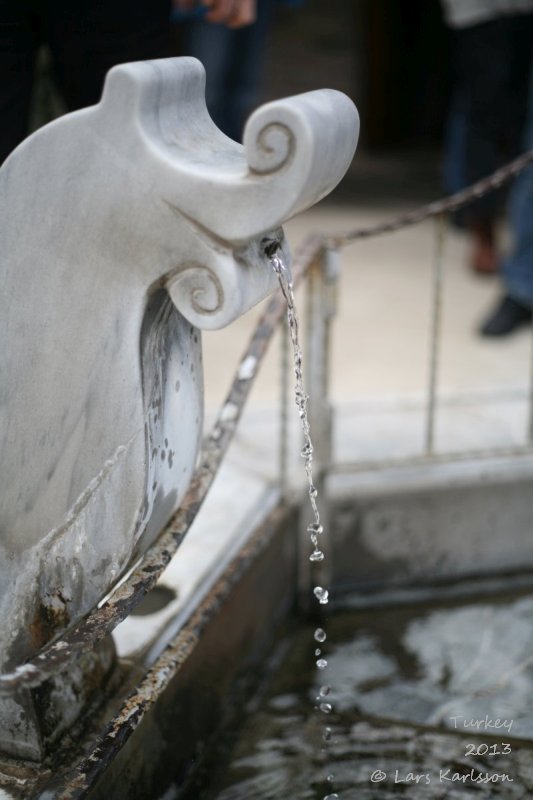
316, 528
331, 796
318, 651
327, 734
322, 595
316, 555
326, 708
307, 450
321, 663
331, 777
320, 635
324, 691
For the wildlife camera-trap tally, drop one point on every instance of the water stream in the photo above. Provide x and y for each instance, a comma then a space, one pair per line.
315, 528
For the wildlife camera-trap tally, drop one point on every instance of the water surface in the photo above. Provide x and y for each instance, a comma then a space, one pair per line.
428, 702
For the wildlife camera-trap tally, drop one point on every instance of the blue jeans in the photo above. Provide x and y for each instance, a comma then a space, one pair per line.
518, 267
233, 61
491, 64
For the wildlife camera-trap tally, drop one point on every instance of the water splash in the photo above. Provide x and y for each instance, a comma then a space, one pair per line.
315, 528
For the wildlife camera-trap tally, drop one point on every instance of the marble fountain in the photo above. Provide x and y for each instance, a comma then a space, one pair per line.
129, 228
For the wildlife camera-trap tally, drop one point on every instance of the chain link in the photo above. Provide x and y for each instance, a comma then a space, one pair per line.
437, 207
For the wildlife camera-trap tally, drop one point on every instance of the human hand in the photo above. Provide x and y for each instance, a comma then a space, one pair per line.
233, 13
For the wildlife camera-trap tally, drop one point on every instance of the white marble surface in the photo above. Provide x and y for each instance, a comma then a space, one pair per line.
126, 227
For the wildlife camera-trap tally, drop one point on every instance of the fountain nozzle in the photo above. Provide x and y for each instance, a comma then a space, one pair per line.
271, 247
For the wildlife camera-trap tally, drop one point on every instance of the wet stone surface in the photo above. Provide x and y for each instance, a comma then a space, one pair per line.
398, 679
463, 668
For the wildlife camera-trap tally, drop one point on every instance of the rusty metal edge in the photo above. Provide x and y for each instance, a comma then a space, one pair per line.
77, 780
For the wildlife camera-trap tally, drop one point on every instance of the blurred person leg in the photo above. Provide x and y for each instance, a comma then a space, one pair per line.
514, 309
493, 60
233, 60
454, 165
480, 223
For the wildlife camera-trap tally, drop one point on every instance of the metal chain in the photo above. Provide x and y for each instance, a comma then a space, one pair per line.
437, 207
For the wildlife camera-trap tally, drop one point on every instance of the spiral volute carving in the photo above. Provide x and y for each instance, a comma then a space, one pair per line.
269, 148
196, 291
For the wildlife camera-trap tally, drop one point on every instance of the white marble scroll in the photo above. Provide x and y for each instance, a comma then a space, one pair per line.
126, 227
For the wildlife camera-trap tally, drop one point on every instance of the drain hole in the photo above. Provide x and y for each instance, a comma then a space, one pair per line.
155, 601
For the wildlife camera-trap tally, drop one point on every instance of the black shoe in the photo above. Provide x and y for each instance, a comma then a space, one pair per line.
508, 315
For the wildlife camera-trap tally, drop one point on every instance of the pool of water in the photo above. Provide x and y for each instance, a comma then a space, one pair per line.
428, 702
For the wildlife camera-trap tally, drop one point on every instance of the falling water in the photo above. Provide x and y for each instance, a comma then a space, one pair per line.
315, 528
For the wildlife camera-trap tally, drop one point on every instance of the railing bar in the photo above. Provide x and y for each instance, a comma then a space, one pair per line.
415, 459
435, 334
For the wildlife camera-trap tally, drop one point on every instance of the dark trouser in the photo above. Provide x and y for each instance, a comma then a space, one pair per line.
492, 68
233, 60
518, 266
85, 37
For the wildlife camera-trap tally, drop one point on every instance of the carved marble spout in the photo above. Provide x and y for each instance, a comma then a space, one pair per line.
126, 228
